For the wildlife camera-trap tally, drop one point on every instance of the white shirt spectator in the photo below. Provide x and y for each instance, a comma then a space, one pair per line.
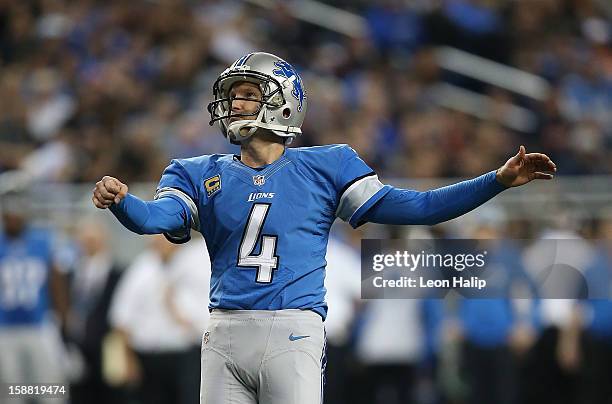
342, 281
556, 312
152, 294
393, 332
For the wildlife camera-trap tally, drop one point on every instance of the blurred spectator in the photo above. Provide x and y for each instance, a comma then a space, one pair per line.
591, 350
92, 286
48, 107
391, 344
159, 313
343, 284
491, 327
553, 259
33, 302
476, 26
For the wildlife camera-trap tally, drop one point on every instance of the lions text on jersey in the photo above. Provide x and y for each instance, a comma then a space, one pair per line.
267, 228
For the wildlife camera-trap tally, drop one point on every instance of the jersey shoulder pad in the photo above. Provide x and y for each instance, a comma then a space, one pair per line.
188, 174
322, 163
201, 165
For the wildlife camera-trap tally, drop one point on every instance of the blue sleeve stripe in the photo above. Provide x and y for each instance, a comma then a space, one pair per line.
355, 220
185, 200
184, 235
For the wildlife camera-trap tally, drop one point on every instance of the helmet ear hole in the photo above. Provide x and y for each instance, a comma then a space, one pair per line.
286, 113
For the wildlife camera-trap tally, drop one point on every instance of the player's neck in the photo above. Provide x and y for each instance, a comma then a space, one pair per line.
260, 151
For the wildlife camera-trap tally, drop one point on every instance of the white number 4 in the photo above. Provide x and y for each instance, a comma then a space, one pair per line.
267, 260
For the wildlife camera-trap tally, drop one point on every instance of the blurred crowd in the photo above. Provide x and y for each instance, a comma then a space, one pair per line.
92, 88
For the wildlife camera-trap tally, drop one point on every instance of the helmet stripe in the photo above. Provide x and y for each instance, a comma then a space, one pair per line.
248, 57
243, 60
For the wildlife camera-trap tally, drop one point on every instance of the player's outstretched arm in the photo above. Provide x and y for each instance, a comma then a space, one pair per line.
165, 215
400, 206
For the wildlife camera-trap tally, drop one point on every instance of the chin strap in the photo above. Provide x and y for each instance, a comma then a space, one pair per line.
243, 129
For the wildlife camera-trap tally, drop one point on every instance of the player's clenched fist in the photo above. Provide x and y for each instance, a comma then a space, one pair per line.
108, 190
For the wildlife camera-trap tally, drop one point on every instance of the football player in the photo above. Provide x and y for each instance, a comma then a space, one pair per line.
266, 216
33, 294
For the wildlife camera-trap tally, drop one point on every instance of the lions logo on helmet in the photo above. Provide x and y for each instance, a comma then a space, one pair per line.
282, 107
286, 70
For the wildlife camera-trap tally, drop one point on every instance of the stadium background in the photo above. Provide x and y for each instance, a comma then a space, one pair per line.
426, 91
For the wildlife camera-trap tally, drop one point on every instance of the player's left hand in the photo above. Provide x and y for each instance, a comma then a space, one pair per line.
525, 167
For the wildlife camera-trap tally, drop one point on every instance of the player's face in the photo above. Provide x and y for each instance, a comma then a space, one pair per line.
245, 100
163, 247
13, 223
92, 238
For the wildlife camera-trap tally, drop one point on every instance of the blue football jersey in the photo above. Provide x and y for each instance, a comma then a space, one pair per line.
25, 264
266, 229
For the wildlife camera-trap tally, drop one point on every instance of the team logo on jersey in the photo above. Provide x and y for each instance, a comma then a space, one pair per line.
253, 196
259, 180
286, 70
212, 185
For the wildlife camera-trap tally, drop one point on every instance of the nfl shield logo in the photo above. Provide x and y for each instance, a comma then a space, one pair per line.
259, 180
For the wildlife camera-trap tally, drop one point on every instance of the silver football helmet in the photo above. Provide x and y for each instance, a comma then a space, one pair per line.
282, 107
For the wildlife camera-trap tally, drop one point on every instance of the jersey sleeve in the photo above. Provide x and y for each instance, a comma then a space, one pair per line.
358, 187
176, 183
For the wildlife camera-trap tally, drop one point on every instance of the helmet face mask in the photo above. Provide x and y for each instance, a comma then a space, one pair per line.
282, 105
